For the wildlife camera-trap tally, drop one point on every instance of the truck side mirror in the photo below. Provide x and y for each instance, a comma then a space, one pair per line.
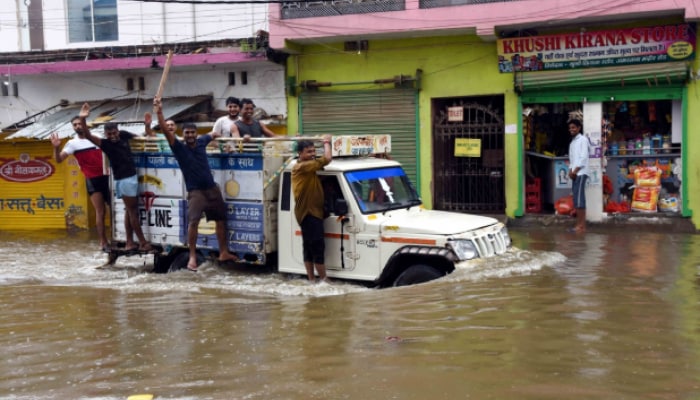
340, 207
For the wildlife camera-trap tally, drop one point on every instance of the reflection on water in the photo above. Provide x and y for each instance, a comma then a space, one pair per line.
565, 316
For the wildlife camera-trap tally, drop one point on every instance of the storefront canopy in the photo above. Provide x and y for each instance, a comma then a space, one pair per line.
128, 113
673, 74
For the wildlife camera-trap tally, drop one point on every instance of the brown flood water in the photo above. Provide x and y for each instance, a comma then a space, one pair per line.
602, 316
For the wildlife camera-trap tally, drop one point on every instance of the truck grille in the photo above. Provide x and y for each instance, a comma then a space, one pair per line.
490, 244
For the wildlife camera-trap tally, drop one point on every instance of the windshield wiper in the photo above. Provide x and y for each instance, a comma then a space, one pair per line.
412, 203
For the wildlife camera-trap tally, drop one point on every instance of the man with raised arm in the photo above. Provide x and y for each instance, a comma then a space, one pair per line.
126, 183
91, 163
308, 196
203, 195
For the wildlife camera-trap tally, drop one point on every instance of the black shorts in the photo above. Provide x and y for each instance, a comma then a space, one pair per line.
313, 241
208, 201
99, 184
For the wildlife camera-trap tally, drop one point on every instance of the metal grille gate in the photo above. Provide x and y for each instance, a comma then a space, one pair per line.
469, 184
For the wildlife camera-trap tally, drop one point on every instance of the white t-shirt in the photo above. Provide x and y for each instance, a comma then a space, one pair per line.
223, 126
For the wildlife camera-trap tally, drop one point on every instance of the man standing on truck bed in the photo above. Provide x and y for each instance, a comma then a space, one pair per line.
248, 127
203, 195
223, 125
308, 195
126, 183
91, 163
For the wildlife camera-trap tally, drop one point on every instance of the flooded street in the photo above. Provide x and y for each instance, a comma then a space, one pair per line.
608, 315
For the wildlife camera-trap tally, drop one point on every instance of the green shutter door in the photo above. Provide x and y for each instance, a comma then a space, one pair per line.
366, 112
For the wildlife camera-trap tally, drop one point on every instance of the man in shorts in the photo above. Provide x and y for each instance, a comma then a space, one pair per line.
308, 210
578, 172
203, 195
91, 163
126, 183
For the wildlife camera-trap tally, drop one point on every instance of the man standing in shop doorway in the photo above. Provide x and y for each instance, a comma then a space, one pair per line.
578, 172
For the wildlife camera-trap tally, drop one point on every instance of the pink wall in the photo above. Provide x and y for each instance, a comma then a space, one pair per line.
483, 18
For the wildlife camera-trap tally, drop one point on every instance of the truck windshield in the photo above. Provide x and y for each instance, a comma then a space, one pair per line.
382, 189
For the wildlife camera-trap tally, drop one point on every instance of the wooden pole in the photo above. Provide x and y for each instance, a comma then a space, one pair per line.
164, 77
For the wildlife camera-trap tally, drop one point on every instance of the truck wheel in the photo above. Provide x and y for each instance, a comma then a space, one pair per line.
417, 273
180, 261
161, 263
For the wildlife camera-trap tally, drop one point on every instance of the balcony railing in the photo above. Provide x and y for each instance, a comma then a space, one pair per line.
309, 9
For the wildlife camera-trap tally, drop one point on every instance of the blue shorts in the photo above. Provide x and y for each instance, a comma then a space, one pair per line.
128, 187
579, 187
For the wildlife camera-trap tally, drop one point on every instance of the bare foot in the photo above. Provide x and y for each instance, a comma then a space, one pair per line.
192, 267
228, 257
131, 247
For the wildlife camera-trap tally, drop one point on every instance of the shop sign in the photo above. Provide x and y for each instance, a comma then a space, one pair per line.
611, 47
467, 147
455, 114
25, 169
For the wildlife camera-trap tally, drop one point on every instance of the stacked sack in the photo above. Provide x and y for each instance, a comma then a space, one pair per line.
647, 184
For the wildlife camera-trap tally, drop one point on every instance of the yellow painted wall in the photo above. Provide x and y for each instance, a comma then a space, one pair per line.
453, 66
49, 203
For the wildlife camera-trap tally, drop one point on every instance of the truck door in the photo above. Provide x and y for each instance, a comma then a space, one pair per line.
340, 243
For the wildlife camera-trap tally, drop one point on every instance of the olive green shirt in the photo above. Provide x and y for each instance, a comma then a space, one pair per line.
308, 192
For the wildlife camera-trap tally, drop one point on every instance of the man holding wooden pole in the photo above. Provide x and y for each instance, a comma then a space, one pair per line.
203, 195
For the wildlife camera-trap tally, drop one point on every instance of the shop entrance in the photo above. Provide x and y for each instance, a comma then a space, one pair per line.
470, 181
637, 137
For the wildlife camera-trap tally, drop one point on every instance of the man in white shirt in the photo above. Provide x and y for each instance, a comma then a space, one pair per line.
222, 126
578, 172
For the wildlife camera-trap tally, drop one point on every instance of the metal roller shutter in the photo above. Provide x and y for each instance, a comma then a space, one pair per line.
383, 111
672, 74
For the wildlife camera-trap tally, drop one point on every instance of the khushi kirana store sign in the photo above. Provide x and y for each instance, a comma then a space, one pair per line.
642, 45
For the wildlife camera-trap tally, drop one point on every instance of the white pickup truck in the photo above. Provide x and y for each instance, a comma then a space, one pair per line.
376, 229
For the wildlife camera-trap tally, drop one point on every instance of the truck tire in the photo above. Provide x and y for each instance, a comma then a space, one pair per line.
180, 261
161, 263
417, 273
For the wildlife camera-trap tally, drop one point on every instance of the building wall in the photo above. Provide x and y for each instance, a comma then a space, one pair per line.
39, 92
457, 66
140, 23
37, 193
484, 19
453, 66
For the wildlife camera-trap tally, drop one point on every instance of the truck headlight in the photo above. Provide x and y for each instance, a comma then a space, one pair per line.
506, 236
464, 249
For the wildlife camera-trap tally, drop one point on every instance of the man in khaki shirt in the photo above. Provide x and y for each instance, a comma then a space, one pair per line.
308, 195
